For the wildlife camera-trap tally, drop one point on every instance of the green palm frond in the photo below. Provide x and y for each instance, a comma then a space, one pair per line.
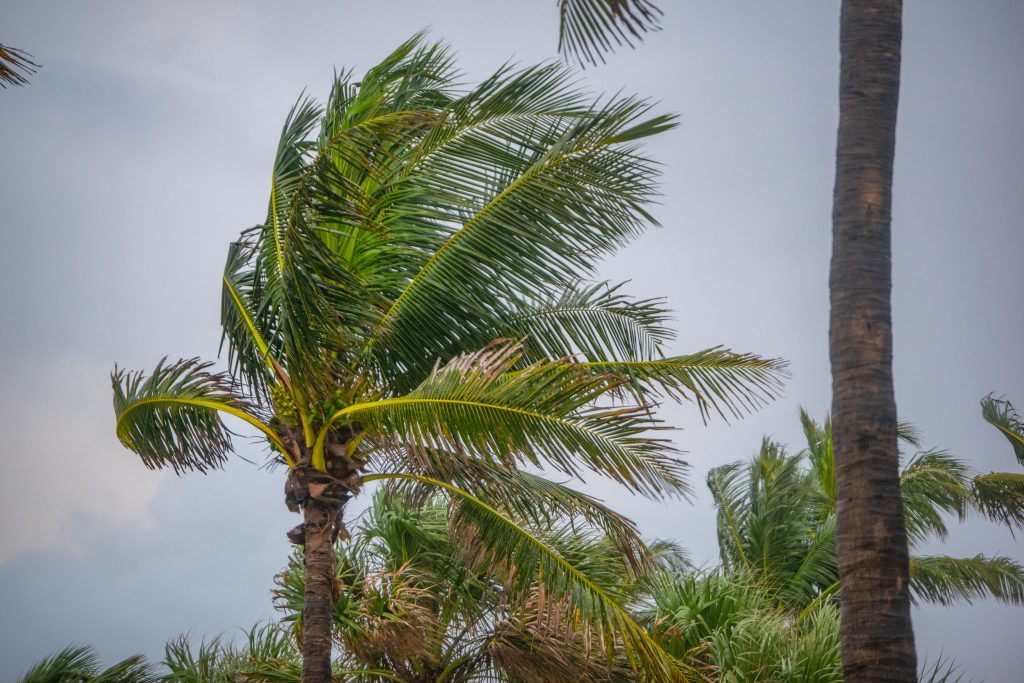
594, 321
1000, 497
590, 28
716, 379
540, 502
543, 416
247, 332
525, 216
1001, 414
15, 65
80, 664
521, 558
171, 417
933, 483
944, 580
820, 455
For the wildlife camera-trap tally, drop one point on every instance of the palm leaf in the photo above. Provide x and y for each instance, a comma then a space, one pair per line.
525, 215
931, 484
1000, 497
171, 417
15, 65
540, 502
594, 322
1001, 414
504, 543
944, 580
716, 379
590, 28
544, 415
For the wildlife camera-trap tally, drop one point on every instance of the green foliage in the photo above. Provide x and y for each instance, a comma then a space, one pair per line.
418, 600
418, 305
776, 522
590, 28
80, 664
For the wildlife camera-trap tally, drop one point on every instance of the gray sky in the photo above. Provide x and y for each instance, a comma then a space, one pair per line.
145, 144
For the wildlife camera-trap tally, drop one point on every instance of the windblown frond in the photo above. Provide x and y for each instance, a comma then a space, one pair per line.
538, 501
1000, 497
1001, 414
590, 28
15, 65
171, 417
715, 379
593, 322
932, 484
945, 580
544, 416
80, 664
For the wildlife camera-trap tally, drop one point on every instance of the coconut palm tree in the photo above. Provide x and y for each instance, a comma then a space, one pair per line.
777, 522
414, 309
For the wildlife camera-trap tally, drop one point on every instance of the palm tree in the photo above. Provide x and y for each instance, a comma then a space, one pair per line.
80, 664
777, 522
413, 310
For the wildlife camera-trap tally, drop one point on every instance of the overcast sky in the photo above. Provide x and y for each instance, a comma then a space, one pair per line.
144, 145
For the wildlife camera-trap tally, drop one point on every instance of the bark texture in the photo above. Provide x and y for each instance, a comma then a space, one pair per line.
318, 533
877, 635
321, 497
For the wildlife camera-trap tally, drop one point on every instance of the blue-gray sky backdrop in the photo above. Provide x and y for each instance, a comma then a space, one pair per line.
144, 145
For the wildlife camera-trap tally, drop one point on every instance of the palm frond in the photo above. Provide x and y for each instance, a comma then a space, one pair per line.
15, 66
80, 664
820, 454
526, 215
1001, 414
945, 580
1000, 497
716, 379
590, 28
931, 484
592, 321
504, 544
544, 415
171, 417
538, 501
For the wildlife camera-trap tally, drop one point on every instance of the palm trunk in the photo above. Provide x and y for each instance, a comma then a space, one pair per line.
319, 592
877, 635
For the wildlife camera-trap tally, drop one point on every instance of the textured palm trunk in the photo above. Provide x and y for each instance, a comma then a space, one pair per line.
319, 530
877, 635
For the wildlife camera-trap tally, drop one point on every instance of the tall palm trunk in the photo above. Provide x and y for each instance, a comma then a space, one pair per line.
877, 635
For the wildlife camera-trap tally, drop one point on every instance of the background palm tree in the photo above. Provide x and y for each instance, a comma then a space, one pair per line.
413, 310
777, 522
